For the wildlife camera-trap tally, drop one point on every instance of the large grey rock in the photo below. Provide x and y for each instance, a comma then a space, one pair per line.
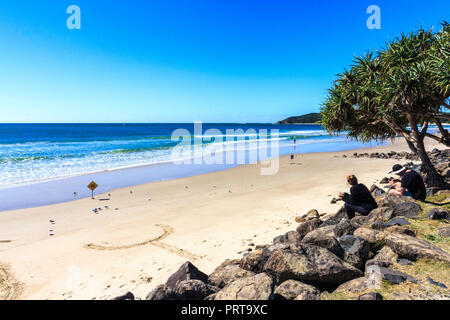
291, 237
257, 287
292, 289
373, 237
438, 214
163, 292
224, 275
393, 276
444, 232
384, 258
194, 289
356, 250
310, 264
381, 214
254, 261
412, 248
187, 271
304, 228
345, 227
324, 238
359, 221
390, 200
386, 254
355, 285
402, 206
407, 209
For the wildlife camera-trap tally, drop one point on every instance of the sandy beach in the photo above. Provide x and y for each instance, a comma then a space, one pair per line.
143, 233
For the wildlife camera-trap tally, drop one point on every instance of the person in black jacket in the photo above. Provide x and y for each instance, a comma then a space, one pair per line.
359, 200
411, 184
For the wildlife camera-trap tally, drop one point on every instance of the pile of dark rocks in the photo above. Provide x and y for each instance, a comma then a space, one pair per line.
386, 155
440, 158
319, 256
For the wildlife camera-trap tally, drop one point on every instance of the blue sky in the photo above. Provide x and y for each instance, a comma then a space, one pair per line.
186, 60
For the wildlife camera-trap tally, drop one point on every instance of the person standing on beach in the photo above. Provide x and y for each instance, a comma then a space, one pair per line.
359, 200
411, 184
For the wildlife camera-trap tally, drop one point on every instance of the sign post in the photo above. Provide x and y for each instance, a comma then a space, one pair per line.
92, 186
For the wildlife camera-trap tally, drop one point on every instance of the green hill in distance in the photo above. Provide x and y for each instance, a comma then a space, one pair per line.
306, 118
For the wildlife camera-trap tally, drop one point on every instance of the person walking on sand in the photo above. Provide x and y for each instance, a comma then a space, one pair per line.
359, 200
411, 184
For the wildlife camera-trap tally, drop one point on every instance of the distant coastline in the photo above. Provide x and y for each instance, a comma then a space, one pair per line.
310, 118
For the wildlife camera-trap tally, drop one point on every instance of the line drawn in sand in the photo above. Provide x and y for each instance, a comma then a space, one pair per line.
167, 230
10, 288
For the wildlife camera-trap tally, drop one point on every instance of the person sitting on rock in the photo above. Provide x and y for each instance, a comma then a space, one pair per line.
411, 184
359, 200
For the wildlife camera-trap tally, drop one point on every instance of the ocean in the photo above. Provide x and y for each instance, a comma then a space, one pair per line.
46, 163
32, 153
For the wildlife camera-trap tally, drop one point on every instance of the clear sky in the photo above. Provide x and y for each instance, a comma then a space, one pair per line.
186, 60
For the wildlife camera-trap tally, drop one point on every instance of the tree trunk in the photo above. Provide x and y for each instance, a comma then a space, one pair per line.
411, 146
433, 178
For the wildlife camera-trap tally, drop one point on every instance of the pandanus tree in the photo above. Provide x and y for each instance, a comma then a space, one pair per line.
397, 91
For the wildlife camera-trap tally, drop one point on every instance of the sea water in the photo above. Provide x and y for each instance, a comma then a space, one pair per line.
46, 163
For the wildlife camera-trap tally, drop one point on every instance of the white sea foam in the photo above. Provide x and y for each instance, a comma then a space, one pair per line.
54, 160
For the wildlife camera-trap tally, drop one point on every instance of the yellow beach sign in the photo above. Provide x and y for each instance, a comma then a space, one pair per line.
92, 186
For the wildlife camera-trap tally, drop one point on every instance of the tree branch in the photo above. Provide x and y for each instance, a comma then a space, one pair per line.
424, 130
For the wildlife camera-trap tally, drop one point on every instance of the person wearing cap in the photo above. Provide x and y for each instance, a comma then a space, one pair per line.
411, 184
359, 200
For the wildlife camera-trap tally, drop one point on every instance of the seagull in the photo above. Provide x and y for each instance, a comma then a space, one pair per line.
51, 221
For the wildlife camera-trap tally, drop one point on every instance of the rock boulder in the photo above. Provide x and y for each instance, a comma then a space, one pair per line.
257, 287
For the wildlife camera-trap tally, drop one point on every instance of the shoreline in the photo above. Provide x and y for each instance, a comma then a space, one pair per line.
63, 188
158, 226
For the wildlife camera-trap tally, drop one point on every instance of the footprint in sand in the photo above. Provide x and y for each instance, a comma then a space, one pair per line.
167, 230
10, 288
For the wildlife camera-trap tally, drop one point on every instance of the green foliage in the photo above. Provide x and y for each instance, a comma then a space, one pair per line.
392, 91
